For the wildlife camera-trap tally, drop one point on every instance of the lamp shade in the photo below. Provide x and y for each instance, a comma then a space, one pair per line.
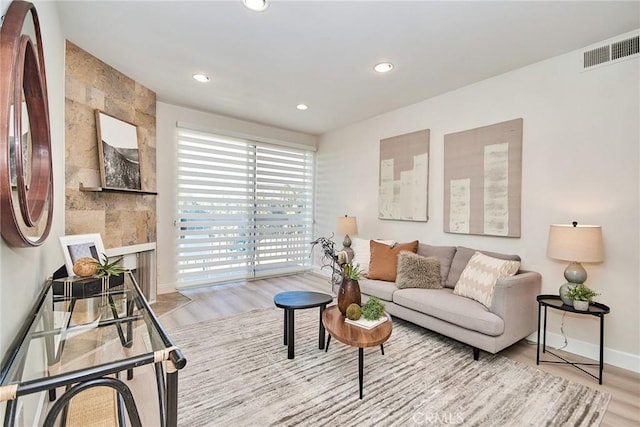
579, 243
347, 225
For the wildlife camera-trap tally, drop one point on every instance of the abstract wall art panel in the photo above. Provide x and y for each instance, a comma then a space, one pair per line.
482, 180
404, 177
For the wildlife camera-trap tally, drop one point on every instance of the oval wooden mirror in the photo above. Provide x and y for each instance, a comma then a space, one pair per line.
26, 173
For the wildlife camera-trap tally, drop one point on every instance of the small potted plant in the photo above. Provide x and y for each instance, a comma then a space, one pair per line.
373, 309
91, 267
581, 296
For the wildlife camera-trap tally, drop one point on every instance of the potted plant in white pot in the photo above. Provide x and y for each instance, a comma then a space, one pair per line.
581, 296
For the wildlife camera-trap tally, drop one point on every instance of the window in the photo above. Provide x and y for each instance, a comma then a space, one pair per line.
244, 209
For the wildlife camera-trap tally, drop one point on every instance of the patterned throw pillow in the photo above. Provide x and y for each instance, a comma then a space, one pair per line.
417, 271
480, 275
384, 259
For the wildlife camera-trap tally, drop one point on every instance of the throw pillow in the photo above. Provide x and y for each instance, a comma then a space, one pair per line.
461, 259
416, 271
444, 254
479, 277
384, 259
362, 253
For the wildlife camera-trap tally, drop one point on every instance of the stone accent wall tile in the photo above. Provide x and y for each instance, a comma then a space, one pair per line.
75, 90
95, 98
80, 136
84, 222
77, 200
120, 110
145, 101
148, 167
148, 124
121, 88
75, 175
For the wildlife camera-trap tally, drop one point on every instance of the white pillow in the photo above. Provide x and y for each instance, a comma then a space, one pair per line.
362, 252
479, 277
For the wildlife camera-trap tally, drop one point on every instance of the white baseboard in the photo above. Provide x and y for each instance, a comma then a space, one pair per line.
613, 357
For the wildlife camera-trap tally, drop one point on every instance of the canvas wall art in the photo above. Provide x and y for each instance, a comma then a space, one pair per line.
404, 177
482, 180
119, 153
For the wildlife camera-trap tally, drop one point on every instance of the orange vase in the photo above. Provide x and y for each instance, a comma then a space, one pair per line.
349, 293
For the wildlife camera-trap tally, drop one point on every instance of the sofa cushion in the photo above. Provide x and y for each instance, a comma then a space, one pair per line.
378, 288
480, 276
362, 253
415, 271
445, 305
384, 259
444, 254
461, 259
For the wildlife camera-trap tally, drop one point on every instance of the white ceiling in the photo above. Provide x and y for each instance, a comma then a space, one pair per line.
321, 53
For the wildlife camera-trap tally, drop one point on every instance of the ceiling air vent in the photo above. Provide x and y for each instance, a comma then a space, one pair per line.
610, 53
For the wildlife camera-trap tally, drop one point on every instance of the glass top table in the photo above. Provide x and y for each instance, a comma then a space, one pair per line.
82, 333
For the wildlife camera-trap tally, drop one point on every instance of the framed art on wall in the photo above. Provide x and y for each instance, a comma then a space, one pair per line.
482, 180
403, 191
119, 152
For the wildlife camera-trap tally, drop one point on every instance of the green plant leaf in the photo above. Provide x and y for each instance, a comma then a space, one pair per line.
373, 309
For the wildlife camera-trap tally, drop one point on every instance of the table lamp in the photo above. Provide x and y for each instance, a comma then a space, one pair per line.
575, 243
347, 225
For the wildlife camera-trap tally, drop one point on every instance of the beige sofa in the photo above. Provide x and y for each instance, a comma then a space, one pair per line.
510, 317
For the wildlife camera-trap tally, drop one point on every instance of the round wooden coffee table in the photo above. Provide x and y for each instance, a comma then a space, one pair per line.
355, 336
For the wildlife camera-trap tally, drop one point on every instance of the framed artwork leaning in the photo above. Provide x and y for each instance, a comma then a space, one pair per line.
482, 180
119, 152
403, 186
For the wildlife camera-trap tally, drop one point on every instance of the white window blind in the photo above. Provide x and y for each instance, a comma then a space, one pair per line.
244, 209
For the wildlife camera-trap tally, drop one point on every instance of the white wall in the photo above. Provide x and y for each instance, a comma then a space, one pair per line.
24, 270
167, 116
580, 162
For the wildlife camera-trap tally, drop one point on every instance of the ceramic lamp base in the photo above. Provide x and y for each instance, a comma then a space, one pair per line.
563, 292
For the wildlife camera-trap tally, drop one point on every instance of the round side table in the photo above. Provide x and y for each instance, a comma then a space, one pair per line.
297, 300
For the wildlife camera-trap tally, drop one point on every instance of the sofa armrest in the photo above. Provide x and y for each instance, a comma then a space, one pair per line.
514, 300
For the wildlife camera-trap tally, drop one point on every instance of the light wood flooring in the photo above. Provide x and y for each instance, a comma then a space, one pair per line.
207, 303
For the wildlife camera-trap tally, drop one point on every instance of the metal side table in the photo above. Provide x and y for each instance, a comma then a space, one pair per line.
595, 309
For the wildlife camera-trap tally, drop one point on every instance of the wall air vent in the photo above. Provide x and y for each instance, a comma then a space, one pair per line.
597, 56
609, 53
625, 48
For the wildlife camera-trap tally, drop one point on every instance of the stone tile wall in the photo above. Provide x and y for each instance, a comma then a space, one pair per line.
122, 219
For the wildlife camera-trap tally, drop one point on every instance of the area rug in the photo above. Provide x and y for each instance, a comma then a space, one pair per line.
238, 374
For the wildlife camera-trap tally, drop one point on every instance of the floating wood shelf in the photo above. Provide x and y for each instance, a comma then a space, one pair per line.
114, 190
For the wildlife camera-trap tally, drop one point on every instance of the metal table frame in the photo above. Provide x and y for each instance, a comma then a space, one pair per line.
595, 309
105, 374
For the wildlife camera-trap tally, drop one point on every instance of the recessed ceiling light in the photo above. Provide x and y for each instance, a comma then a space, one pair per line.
256, 5
302, 107
383, 67
202, 78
